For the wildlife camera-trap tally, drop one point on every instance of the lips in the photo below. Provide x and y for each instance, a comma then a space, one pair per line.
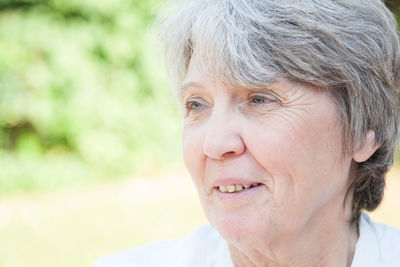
239, 192
233, 185
234, 188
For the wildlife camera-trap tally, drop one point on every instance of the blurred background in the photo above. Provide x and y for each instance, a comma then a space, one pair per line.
90, 134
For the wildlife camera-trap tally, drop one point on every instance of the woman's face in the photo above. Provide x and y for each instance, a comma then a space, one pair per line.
283, 141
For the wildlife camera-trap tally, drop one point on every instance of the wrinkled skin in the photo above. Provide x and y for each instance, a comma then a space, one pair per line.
286, 137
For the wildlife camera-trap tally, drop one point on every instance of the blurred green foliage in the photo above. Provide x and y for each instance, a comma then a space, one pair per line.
83, 93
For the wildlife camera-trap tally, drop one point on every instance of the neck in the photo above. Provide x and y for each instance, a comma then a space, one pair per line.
324, 243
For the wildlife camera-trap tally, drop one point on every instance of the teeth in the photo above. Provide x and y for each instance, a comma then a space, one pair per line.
223, 188
231, 188
239, 187
235, 187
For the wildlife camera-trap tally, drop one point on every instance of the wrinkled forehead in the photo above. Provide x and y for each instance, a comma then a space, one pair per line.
200, 76
227, 67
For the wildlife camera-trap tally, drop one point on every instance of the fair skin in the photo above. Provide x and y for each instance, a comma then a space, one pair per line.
285, 139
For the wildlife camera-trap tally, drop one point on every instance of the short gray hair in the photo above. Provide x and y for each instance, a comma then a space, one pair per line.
349, 47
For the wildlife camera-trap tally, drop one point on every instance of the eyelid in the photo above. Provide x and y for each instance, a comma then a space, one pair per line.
195, 99
267, 94
191, 100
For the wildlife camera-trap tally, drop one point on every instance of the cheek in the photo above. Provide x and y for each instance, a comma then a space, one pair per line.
271, 145
304, 166
298, 156
193, 156
192, 151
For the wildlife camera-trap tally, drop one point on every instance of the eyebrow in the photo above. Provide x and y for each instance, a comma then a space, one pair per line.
188, 85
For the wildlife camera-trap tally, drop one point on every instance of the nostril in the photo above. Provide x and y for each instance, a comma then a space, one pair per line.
224, 146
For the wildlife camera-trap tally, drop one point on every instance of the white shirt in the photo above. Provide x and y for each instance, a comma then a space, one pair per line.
377, 246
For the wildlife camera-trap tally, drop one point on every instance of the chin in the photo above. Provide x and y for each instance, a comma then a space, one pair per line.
236, 229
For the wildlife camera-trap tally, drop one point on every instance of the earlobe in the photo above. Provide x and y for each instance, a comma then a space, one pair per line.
366, 149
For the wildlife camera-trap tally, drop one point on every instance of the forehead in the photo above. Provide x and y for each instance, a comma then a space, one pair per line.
227, 70
199, 78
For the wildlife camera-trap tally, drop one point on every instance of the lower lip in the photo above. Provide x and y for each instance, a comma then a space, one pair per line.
239, 197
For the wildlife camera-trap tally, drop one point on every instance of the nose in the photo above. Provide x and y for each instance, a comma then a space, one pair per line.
222, 139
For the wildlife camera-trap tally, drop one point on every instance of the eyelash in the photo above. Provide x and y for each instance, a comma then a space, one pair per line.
189, 105
266, 99
253, 98
194, 105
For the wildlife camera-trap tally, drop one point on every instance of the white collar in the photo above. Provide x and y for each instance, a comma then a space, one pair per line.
223, 255
367, 253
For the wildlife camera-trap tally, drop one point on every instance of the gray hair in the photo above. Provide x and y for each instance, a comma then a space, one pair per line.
349, 47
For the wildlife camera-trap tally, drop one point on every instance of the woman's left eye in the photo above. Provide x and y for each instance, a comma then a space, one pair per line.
259, 100
193, 106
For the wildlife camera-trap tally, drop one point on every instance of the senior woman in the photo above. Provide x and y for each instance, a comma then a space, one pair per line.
291, 118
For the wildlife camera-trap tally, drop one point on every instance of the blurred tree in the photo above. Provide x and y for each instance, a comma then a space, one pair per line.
82, 93
394, 6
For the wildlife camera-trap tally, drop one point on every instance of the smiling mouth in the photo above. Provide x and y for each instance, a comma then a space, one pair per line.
235, 188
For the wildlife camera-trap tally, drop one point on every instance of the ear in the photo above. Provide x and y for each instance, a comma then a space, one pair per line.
366, 149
